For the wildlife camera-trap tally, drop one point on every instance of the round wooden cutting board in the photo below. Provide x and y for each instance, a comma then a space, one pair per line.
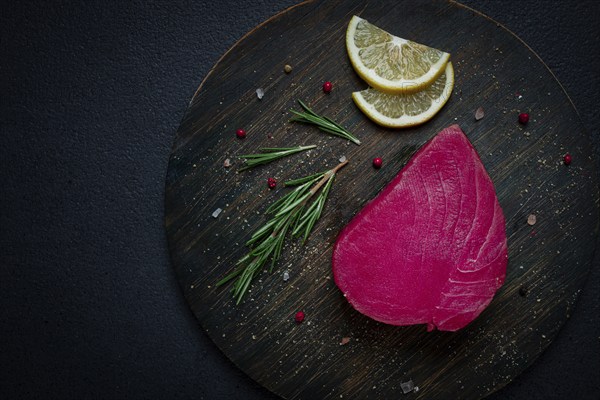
548, 261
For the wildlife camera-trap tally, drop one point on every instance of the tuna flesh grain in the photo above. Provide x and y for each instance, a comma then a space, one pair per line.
431, 247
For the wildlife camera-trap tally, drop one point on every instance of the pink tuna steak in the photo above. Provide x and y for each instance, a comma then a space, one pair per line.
431, 247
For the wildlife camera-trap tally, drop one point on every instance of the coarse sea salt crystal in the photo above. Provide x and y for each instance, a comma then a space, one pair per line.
343, 159
216, 213
260, 93
286, 275
407, 387
479, 113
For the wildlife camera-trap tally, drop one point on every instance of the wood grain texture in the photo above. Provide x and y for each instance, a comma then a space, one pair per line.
548, 262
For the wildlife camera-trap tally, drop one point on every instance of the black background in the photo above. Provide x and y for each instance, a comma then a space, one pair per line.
91, 95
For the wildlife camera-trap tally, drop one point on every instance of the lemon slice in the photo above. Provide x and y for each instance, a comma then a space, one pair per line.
407, 109
389, 63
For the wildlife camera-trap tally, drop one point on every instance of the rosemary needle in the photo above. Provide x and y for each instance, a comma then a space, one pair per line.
292, 213
269, 154
325, 124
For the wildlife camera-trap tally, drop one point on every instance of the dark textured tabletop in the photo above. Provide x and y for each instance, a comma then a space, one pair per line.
91, 95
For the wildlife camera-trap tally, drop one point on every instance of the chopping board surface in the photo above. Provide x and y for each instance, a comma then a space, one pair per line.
548, 261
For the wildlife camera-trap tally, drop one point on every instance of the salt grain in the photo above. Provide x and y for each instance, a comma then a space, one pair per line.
227, 163
407, 387
479, 113
260, 93
216, 213
343, 159
286, 276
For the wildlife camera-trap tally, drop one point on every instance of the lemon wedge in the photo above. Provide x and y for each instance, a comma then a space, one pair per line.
389, 63
407, 109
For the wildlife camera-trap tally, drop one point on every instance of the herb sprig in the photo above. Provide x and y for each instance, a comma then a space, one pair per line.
269, 154
323, 123
291, 212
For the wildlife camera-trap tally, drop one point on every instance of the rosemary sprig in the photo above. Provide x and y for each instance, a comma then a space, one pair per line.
323, 123
269, 154
291, 212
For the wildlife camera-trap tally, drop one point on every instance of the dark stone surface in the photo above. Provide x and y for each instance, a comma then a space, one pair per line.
91, 95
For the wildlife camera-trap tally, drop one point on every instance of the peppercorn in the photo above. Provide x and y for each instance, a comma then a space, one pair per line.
523, 118
240, 133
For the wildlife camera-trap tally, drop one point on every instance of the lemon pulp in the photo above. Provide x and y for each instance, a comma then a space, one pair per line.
406, 109
389, 63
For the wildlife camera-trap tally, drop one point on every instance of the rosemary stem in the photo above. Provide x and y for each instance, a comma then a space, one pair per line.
326, 177
325, 124
314, 189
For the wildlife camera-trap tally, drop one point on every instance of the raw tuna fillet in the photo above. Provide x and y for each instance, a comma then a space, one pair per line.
431, 247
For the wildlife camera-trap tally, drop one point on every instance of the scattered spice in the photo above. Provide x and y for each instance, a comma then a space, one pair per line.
299, 317
567, 159
377, 163
531, 219
260, 93
296, 212
216, 213
227, 163
287, 68
523, 118
327, 86
272, 183
345, 341
240, 133
479, 113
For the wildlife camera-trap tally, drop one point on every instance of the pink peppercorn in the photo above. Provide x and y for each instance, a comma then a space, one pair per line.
327, 86
272, 183
377, 163
240, 133
523, 118
567, 159
299, 317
